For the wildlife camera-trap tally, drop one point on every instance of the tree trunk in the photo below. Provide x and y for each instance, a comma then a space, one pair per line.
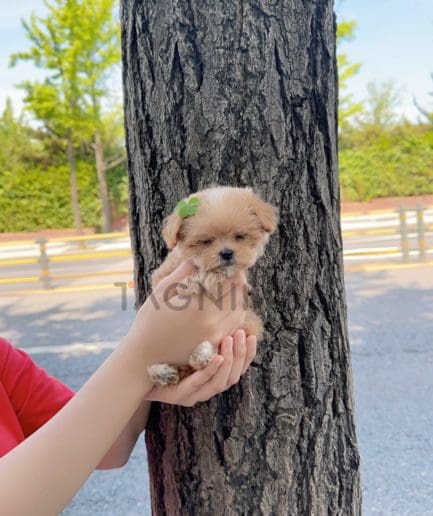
245, 93
75, 202
103, 189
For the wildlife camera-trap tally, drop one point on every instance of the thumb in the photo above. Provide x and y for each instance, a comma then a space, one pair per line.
166, 288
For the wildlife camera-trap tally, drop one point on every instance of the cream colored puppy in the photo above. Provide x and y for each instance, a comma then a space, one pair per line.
223, 229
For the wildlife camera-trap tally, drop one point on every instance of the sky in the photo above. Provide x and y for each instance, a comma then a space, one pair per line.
393, 40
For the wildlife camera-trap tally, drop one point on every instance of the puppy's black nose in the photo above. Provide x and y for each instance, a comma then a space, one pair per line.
226, 254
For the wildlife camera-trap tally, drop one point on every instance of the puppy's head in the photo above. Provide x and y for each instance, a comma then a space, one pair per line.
228, 231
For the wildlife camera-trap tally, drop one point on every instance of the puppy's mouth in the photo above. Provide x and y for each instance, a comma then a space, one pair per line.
224, 266
227, 267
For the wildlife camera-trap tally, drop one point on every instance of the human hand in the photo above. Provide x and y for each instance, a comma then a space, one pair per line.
221, 373
168, 326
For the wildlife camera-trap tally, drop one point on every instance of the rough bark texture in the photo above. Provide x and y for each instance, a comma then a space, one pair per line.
245, 93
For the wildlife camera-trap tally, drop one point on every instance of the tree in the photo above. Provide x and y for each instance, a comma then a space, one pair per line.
246, 94
78, 44
14, 138
425, 112
56, 101
381, 105
100, 52
347, 106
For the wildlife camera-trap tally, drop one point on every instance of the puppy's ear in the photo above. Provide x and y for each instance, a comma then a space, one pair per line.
171, 229
266, 214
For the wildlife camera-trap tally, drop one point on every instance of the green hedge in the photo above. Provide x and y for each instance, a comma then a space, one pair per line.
372, 164
36, 199
390, 166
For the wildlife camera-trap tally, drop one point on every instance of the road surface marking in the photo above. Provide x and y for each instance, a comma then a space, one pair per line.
77, 347
384, 266
82, 288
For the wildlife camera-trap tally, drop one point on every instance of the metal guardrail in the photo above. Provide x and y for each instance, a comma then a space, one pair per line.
405, 223
44, 260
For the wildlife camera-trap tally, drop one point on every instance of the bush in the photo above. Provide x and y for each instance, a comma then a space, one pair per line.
394, 164
36, 198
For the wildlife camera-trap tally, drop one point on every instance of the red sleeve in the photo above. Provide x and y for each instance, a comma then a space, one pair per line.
34, 395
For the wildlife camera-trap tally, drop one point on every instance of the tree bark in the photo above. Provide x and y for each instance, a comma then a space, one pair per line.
245, 93
75, 202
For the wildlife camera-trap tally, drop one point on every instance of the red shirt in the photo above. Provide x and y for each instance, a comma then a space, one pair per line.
28, 396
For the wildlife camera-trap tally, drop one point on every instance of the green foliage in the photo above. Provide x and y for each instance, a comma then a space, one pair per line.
78, 45
347, 106
380, 106
14, 138
378, 163
117, 182
54, 47
35, 183
38, 198
380, 155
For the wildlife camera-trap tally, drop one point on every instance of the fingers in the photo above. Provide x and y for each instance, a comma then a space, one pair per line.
220, 381
221, 373
232, 314
251, 350
213, 379
239, 356
185, 392
196, 380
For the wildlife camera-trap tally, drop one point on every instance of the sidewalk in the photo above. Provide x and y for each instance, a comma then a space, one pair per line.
386, 204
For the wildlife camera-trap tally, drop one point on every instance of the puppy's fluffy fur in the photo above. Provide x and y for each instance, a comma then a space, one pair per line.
228, 232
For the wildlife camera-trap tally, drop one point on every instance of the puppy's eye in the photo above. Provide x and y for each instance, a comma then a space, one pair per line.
240, 236
206, 241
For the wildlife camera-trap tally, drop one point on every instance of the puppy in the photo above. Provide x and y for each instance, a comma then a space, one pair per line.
223, 229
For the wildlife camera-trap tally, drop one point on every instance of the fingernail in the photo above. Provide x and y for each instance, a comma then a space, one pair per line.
241, 335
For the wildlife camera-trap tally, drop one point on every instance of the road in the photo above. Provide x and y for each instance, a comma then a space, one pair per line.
391, 328
110, 270
367, 238
67, 262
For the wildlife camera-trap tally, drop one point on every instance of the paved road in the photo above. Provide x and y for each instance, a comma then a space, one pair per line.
115, 270
358, 249
391, 328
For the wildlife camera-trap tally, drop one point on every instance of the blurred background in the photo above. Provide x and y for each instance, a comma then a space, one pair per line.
66, 290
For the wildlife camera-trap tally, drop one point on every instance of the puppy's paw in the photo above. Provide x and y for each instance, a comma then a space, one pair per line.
213, 284
188, 286
253, 325
202, 355
163, 374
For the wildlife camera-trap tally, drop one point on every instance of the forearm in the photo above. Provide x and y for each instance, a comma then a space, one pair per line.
51, 465
118, 455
